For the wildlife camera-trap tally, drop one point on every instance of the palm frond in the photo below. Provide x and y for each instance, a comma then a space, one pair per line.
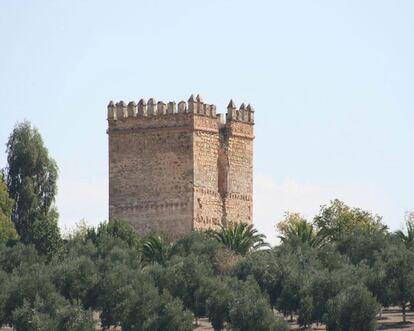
304, 232
408, 237
156, 249
240, 237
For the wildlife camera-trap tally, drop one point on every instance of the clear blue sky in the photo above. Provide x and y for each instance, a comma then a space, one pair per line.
332, 83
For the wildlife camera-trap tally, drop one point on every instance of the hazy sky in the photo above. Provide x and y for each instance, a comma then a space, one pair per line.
332, 83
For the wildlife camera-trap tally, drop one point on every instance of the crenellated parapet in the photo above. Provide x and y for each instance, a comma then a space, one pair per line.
120, 110
195, 105
243, 114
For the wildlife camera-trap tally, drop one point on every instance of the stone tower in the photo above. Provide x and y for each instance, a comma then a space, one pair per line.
175, 168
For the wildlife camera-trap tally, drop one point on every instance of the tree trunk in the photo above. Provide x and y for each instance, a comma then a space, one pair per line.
403, 311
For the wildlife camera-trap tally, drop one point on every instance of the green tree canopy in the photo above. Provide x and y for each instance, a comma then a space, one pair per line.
354, 308
7, 229
240, 237
338, 219
116, 229
295, 228
398, 264
31, 177
250, 309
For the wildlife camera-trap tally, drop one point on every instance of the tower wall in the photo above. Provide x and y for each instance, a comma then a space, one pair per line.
151, 170
207, 200
237, 145
174, 168
239, 198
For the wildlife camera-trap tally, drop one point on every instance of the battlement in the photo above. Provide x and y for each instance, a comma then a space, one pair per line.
243, 114
121, 110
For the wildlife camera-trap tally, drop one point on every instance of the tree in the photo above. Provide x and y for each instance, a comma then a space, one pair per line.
289, 300
377, 283
199, 243
76, 279
117, 229
408, 238
66, 318
361, 246
250, 309
31, 177
337, 219
7, 229
19, 256
353, 309
183, 277
239, 305
110, 295
218, 302
266, 268
156, 249
33, 286
295, 228
32, 317
240, 237
45, 234
320, 285
4, 285
398, 262
137, 305
72, 317
170, 316
32, 303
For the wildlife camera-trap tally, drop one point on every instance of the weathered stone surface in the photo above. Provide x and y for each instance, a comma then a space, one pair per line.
175, 171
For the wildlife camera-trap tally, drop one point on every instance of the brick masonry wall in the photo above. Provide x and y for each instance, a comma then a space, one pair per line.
151, 173
239, 198
208, 204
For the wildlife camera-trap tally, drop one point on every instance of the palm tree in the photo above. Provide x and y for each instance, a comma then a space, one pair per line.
407, 239
240, 237
304, 232
156, 249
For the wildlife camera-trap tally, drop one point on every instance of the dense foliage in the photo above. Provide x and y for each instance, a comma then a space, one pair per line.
154, 284
7, 229
102, 271
338, 269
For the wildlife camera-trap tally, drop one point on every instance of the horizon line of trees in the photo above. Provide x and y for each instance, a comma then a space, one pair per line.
339, 269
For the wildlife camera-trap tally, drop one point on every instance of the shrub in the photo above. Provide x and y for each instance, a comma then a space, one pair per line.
218, 303
353, 309
76, 279
18, 256
75, 318
183, 277
250, 310
32, 287
196, 243
31, 317
35, 317
45, 234
4, 286
117, 229
266, 268
169, 316
109, 293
